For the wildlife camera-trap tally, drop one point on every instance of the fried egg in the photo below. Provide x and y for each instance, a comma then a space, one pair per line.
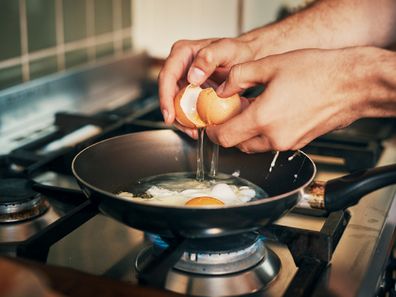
215, 195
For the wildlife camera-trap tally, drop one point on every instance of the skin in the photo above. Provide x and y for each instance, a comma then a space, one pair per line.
316, 90
302, 101
203, 54
19, 281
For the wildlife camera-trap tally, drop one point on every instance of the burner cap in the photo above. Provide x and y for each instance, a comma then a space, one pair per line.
16, 190
222, 244
19, 202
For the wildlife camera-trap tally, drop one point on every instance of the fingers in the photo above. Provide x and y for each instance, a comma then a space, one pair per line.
193, 133
210, 84
168, 78
220, 53
173, 71
236, 130
256, 144
246, 75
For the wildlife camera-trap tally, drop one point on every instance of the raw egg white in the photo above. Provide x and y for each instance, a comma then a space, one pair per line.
196, 107
216, 195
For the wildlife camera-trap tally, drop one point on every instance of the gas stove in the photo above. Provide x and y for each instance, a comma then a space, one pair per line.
45, 217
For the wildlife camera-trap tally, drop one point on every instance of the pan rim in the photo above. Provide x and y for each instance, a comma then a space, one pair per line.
184, 207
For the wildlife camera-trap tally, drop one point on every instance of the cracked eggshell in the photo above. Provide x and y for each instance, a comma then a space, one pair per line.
215, 110
196, 107
186, 107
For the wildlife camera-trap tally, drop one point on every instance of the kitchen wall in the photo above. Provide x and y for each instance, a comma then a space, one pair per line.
40, 37
158, 24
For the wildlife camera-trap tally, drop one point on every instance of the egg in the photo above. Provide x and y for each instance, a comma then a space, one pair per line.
203, 201
186, 107
215, 110
223, 192
218, 194
196, 107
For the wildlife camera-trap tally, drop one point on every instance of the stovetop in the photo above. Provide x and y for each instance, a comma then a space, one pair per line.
321, 254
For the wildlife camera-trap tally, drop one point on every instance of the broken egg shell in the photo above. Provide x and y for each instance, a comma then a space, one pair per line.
215, 110
196, 107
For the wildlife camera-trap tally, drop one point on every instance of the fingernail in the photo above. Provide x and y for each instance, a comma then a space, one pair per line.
165, 114
189, 133
220, 89
195, 76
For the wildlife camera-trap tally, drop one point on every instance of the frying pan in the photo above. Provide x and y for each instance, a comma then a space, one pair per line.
113, 165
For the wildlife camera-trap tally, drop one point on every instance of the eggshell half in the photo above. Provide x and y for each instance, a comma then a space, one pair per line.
214, 110
186, 107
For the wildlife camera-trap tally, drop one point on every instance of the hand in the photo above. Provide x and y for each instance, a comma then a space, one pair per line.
200, 61
18, 281
307, 93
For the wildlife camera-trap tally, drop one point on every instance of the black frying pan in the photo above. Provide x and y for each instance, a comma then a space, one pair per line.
113, 165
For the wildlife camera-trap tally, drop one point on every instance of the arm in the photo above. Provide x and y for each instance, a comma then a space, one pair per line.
308, 93
325, 24
328, 24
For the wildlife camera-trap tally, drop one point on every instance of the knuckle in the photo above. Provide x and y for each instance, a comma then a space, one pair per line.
235, 73
205, 55
259, 121
302, 143
224, 140
179, 44
280, 144
296, 147
225, 42
243, 147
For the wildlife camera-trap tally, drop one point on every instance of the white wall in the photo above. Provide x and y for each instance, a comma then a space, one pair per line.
158, 24
258, 13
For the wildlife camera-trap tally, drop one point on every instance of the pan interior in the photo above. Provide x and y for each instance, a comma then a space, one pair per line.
115, 164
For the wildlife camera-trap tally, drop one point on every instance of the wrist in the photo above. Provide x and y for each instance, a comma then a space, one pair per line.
253, 40
278, 38
263, 42
378, 76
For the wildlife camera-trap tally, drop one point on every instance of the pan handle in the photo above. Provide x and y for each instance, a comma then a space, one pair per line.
345, 191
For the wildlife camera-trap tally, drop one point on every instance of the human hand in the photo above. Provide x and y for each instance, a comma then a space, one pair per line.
18, 281
198, 62
307, 93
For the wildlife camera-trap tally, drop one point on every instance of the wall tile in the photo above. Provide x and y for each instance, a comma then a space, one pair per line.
103, 16
9, 29
10, 76
41, 24
41, 30
43, 67
104, 50
126, 13
75, 58
74, 20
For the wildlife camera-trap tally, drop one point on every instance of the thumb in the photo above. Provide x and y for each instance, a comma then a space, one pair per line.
246, 75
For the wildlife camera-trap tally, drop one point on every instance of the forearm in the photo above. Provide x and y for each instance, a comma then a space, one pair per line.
328, 24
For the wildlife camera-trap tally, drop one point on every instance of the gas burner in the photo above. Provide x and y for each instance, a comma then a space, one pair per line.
229, 266
19, 202
222, 262
220, 256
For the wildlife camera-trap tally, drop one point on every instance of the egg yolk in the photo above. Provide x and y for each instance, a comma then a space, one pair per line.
204, 200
